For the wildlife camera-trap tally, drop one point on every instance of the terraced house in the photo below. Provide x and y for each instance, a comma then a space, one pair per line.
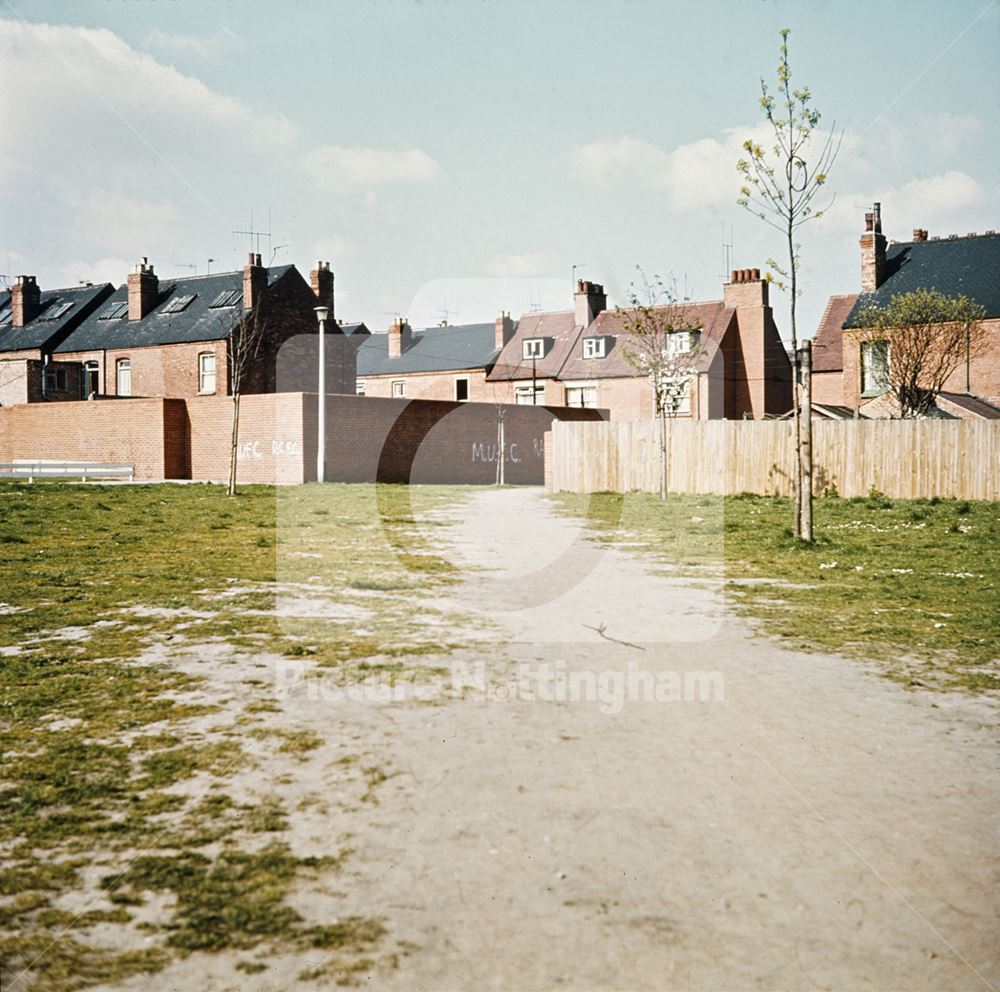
174, 338
739, 367
33, 322
848, 371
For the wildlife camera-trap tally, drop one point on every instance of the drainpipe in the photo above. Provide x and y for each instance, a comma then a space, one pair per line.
967, 369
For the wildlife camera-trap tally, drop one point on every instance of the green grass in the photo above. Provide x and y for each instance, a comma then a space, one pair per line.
912, 585
97, 746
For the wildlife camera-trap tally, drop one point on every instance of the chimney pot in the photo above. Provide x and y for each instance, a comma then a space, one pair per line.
254, 281
321, 281
590, 301
869, 221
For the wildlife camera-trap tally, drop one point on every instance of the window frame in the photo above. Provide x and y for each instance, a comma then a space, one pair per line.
398, 389
532, 348
525, 395
91, 367
123, 365
202, 373
866, 371
359, 387
461, 379
52, 375
596, 345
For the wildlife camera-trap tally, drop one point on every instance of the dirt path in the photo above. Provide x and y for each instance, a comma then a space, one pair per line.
816, 828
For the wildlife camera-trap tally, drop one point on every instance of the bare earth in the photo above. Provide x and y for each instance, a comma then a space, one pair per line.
819, 827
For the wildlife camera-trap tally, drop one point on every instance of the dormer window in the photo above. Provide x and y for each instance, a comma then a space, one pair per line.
533, 348
595, 347
681, 342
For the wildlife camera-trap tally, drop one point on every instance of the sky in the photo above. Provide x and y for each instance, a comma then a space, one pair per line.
451, 159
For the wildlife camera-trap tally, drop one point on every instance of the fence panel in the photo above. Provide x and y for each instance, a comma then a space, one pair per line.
905, 459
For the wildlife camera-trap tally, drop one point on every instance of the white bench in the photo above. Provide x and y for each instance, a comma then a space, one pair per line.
31, 470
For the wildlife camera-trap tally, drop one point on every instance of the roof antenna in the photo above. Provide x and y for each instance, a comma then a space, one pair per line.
253, 237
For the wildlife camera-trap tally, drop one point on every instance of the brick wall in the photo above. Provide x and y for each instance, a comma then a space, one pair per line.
127, 431
422, 441
435, 385
984, 368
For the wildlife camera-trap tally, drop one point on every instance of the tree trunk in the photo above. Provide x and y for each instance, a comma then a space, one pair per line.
663, 452
800, 495
806, 443
234, 446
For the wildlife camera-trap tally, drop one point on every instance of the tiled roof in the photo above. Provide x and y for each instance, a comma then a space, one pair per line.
432, 349
828, 342
198, 321
712, 318
358, 328
42, 332
972, 405
561, 332
953, 266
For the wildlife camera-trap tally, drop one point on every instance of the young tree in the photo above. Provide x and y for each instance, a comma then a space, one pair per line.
662, 343
247, 330
779, 187
922, 337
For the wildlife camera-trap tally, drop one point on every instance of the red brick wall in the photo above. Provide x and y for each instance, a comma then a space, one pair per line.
984, 368
422, 441
126, 431
270, 438
435, 385
828, 387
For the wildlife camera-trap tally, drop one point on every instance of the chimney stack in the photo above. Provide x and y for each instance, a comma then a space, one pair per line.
591, 300
504, 329
321, 280
24, 300
873, 246
399, 337
919, 234
254, 281
143, 290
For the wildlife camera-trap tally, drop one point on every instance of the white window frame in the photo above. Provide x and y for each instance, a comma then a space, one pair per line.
91, 366
683, 408
867, 372
532, 348
206, 374
679, 342
595, 347
398, 388
359, 387
123, 365
465, 379
583, 390
527, 395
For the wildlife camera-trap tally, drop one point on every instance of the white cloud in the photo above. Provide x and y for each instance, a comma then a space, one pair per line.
225, 39
331, 248
333, 166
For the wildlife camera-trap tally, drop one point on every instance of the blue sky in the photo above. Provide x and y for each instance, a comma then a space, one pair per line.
463, 156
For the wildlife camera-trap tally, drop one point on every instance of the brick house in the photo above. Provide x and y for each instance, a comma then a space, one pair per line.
450, 362
846, 370
172, 338
577, 357
33, 323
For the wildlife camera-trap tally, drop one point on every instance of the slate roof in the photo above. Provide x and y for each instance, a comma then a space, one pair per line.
432, 349
358, 328
968, 266
712, 318
828, 342
42, 332
196, 322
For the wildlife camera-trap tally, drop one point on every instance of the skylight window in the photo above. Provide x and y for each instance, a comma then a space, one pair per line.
177, 304
114, 310
55, 311
227, 298
5, 315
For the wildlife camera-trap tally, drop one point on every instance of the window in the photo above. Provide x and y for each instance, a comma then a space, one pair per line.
398, 387
114, 310
533, 348
676, 397
530, 395
177, 304
227, 298
123, 377
461, 389
679, 342
874, 367
55, 380
594, 347
206, 372
359, 387
5, 315
55, 311
91, 378
584, 395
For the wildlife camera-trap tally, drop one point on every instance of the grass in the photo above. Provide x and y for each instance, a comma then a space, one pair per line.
913, 585
101, 740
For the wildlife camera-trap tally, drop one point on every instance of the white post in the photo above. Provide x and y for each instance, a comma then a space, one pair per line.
321, 314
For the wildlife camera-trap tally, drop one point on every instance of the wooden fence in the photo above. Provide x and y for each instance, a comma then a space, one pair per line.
903, 459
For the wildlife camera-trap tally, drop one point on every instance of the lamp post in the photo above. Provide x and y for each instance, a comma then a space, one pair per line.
321, 314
